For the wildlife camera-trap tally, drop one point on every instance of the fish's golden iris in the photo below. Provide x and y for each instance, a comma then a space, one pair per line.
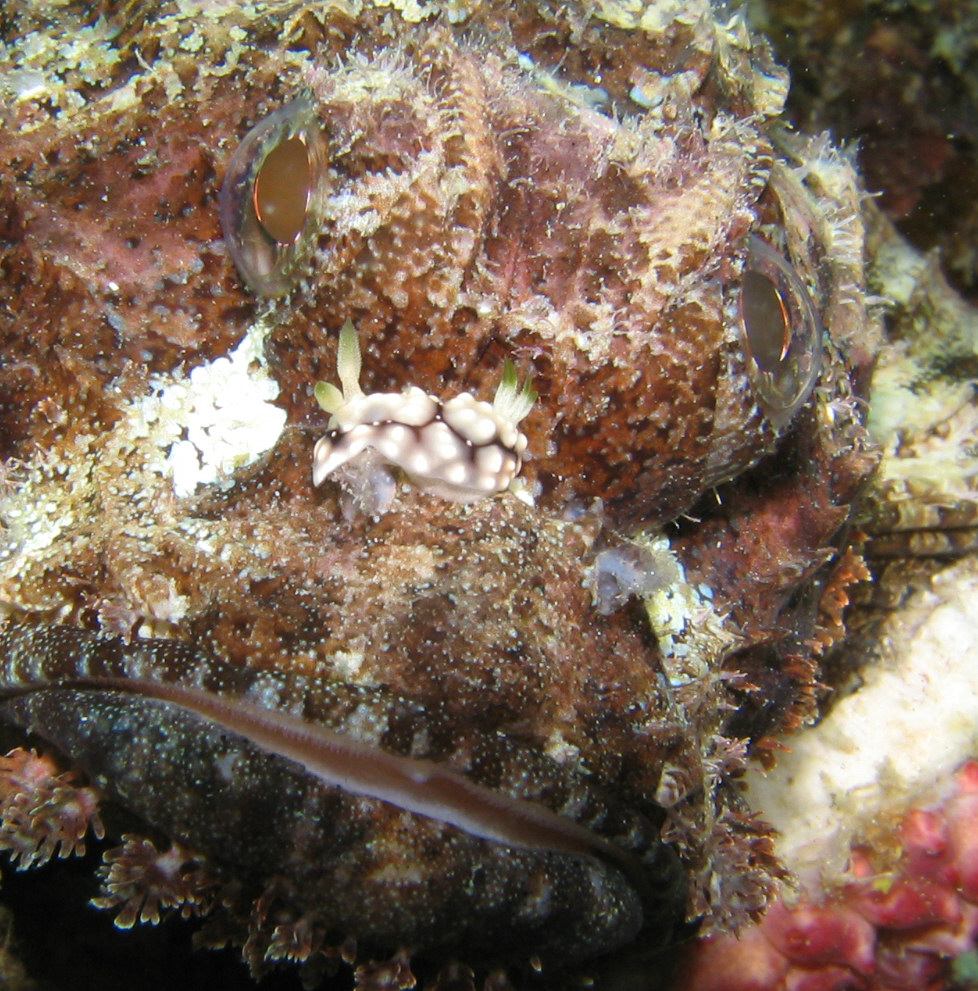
281, 191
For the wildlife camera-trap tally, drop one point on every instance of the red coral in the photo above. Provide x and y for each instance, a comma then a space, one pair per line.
897, 930
42, 810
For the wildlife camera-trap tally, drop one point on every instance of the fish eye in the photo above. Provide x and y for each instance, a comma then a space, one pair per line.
781, 332
281, 193
269, 196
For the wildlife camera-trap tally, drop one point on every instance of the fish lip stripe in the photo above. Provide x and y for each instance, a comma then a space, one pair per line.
421, 787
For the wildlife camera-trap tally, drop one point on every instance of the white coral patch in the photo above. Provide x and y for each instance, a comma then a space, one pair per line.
912, 721
215, 420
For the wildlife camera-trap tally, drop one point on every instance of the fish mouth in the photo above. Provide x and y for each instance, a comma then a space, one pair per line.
396, 850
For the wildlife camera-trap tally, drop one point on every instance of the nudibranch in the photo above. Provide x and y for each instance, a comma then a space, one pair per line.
659, 292
462, 449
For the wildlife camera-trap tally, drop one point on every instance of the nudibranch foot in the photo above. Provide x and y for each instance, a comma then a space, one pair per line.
461, 449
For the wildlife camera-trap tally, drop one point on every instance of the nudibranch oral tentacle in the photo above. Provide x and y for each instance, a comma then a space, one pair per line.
461, 449
49, 673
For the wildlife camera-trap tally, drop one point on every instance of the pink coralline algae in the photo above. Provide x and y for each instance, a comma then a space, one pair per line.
899, 928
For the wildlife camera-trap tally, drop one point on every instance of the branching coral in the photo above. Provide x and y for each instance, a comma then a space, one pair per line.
43, 811
144, 882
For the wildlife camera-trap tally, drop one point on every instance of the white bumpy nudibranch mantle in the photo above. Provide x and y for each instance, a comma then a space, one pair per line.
462, 450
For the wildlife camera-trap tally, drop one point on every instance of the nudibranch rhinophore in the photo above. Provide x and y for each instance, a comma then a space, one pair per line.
462, 449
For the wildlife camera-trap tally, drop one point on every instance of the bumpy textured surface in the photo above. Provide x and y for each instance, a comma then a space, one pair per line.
572, 187
874, 804
895, 923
